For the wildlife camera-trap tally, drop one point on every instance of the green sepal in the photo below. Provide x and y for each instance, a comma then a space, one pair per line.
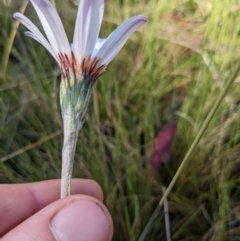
75, 98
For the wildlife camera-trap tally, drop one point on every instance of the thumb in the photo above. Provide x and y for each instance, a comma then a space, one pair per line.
75, 218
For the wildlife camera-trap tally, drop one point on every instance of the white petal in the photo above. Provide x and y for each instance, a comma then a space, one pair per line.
32, 35
52, 25
118, 38
34, 32
87, 27
98, 45
47, 45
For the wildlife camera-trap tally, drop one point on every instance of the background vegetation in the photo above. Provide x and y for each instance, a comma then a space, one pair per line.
173, 69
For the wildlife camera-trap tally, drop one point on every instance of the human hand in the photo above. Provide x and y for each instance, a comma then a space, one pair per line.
34, 212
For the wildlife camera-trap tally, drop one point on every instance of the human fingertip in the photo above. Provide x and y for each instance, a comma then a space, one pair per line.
88, 187
82, 219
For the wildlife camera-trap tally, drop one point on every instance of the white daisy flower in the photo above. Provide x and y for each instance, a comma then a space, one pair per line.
88, 55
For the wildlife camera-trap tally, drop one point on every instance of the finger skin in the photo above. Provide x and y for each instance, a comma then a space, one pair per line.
20, 201
38, 226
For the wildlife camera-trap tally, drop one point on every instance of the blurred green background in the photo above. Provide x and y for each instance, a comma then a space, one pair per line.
172, 69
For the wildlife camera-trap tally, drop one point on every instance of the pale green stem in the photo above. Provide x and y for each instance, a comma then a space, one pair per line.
71, 126
230, 80
74, 100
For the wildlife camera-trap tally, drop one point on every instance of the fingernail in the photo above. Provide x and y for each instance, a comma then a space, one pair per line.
82, 220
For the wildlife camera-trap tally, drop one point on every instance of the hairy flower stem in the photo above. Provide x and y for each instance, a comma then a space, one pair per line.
74, 98
70, 129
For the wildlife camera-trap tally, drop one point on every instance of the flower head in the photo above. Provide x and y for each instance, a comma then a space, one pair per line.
88, 55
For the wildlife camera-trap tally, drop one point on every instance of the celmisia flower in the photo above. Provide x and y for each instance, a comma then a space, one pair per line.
81, 63
88, 56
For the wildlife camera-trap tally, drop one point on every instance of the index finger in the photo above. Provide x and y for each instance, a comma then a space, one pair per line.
20, 201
